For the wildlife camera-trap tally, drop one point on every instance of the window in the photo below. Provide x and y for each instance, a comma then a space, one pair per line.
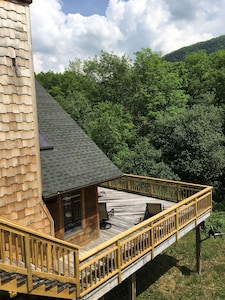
72, 212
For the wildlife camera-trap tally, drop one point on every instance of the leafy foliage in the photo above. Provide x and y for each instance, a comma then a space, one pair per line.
158, 88
112, 75
144, 159
110, 127
150, 116
193, 143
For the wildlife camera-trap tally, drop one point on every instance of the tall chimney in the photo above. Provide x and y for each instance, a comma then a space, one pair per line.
20, 174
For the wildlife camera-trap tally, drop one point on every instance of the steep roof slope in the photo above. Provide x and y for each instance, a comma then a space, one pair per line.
75, 160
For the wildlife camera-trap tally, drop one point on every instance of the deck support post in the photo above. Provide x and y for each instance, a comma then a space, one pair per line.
132, 287
198, 248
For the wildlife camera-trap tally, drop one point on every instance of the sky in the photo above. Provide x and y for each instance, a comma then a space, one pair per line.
65, 30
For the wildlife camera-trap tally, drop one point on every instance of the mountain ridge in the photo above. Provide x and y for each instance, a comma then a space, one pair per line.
209, 46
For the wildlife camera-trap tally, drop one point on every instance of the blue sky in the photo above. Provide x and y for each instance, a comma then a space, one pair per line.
65, 30
85, 7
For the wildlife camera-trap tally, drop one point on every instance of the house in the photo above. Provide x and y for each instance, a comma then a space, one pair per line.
48, 187
72, 167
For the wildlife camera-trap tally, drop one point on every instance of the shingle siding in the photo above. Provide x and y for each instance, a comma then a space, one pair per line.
20, 192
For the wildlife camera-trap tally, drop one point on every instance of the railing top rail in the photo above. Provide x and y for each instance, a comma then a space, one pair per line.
166, 180
139, 226
39, 235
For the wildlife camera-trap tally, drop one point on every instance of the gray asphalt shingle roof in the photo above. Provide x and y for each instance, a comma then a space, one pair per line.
75, 160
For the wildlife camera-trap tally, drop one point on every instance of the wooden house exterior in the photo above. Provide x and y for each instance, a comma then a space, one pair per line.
20, 181
50, 171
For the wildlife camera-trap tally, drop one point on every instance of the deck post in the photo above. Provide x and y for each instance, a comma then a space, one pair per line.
132, 287
198, 248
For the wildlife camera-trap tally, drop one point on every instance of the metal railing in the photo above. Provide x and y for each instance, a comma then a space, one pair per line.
33, 254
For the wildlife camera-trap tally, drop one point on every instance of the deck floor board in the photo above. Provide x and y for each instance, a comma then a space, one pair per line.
128, 209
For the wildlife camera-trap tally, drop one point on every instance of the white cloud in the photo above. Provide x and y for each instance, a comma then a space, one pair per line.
128, 26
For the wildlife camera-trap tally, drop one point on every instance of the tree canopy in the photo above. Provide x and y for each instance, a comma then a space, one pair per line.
150, 116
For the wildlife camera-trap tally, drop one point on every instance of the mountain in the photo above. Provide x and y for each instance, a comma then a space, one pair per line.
209, 46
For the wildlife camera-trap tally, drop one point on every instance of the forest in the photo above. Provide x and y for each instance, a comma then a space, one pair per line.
151, 116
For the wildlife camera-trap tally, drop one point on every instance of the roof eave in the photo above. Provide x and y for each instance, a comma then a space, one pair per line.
50, 196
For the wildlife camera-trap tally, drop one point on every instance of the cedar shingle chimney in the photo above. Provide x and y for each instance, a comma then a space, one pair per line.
20, 174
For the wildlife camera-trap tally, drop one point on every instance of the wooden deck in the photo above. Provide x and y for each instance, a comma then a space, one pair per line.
89, 273
128, 210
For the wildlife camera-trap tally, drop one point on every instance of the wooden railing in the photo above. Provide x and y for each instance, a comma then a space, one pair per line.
40, 258
153, 187
115, 255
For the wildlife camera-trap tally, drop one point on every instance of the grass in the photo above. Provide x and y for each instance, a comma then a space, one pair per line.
172, 275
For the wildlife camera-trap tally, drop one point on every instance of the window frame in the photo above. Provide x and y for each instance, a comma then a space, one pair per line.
72, 212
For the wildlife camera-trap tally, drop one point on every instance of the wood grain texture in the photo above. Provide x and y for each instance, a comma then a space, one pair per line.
128, 210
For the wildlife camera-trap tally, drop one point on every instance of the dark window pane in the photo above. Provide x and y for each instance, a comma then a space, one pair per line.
72, 212
44, 142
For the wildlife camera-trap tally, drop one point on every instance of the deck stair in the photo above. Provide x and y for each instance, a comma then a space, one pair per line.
17, 282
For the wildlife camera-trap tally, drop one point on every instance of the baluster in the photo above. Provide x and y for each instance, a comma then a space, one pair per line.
27, 256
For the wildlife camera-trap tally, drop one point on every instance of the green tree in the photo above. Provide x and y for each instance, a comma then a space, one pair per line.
49, 81
111, 128
198, 73
73, 90
144, 160
217, 79
112, 75
63, 84
157, 87
192, 144
77, 106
